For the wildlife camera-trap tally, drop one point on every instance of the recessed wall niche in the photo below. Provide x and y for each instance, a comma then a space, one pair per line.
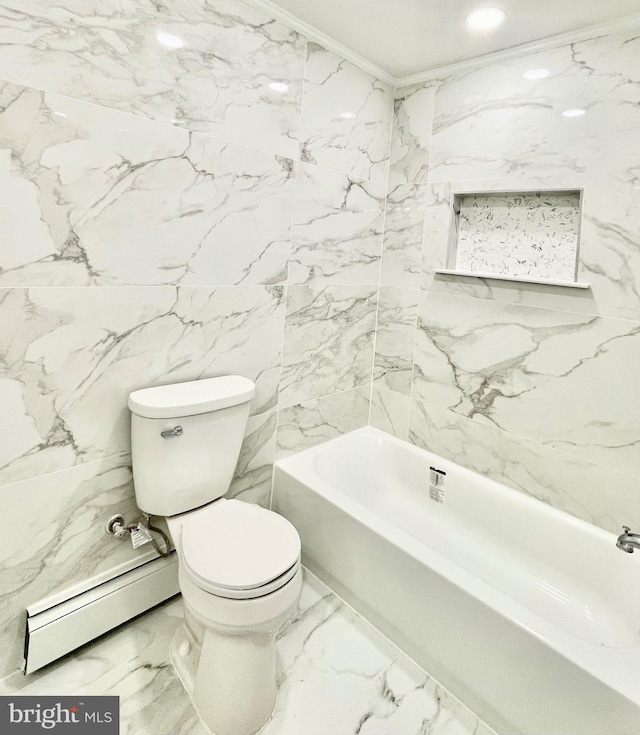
518, 235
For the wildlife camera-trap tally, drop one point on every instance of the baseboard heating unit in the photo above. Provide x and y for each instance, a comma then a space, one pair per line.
55, 630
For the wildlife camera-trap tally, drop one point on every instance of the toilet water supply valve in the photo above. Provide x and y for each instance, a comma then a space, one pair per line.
138, 532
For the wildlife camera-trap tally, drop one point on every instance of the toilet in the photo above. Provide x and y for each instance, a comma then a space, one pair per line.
238, 564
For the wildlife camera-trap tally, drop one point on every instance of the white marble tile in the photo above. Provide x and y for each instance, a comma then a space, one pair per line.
54, 538
390, 411
252, 478
403, 228
217, 82
438, 223
609, 247
337, 228
71, 356
533, 372
522, 234
588, 491
491, 122
395, 337
304, 425
411, 135
337, 676
328, 341
346, 117
205, 212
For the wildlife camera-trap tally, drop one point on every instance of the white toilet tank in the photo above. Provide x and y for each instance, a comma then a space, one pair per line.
203, 422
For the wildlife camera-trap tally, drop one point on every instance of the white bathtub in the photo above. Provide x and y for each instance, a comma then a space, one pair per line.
530, 616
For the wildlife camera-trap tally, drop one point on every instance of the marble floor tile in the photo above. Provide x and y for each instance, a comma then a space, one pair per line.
337, 676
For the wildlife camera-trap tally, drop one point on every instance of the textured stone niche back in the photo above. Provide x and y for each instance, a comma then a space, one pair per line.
532, 234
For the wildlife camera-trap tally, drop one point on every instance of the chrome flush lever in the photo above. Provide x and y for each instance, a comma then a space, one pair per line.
168, 433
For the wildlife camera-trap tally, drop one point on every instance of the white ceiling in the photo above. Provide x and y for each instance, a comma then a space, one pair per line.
405, 37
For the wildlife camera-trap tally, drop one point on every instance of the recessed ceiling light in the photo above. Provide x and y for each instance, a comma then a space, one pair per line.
536, 74
169, 40
278, 86
485, 18
347, 115
60, 114
573, 113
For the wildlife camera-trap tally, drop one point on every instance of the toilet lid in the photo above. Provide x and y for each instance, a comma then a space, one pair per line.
237, 545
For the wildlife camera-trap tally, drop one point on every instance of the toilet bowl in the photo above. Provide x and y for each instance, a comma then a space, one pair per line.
239, 571
238, 563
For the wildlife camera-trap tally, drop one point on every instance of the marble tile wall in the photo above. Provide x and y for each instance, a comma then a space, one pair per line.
336, 247
536, 386
168, 216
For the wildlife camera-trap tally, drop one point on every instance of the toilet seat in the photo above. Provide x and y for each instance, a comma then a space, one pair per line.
239, 550
248, 594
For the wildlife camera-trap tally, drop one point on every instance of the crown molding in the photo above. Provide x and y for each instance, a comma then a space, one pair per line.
313, 34
629, 22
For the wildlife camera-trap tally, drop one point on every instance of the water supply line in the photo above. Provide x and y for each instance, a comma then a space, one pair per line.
165, 538
139, 533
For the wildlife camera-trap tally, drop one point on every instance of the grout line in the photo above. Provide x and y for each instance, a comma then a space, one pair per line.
298, 171
384, 227
173, 286
519, 438
325, 395
420, 270
352, 177
69, 468
534, 307
415, 341
146, 119
207, 286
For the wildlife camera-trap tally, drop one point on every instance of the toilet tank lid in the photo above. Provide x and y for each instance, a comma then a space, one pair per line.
192, 397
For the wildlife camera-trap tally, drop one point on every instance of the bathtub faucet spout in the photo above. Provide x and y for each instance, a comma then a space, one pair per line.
628, 542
